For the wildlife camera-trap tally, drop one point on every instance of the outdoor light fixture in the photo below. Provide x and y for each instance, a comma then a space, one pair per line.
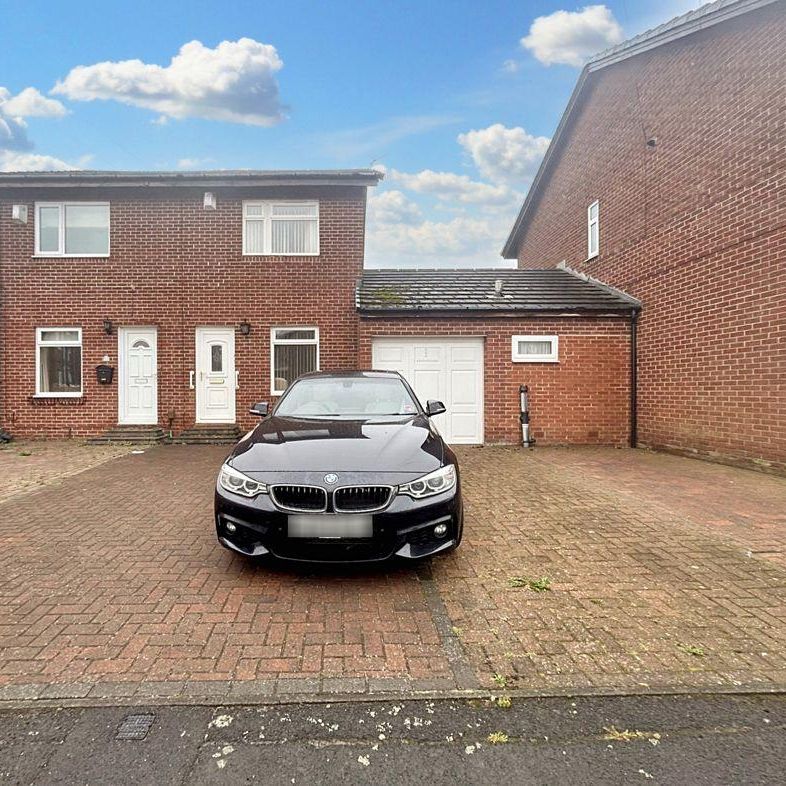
108, 327
19, 214
244, 328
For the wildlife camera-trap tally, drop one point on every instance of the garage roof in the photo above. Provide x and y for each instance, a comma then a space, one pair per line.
556, 290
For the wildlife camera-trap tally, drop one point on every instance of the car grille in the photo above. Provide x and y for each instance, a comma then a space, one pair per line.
301, 498
356, 499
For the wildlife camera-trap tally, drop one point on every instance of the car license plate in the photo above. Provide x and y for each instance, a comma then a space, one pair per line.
330, 525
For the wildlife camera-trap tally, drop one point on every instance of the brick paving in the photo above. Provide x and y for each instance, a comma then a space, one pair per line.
640, 571
29, 464
112, 585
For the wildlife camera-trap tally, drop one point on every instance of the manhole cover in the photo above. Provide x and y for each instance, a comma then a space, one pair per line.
135, 727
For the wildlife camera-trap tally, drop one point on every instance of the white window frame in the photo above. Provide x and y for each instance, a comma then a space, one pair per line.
267, 221
274, 342
593, 222
551, 357
61, 235
39, 343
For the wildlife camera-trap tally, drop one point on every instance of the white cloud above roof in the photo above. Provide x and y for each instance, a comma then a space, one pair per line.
234, 82
449, 186
15, 145
571, 37
505, 155
14, 161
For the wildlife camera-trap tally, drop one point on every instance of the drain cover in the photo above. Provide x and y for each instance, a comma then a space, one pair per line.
135, 727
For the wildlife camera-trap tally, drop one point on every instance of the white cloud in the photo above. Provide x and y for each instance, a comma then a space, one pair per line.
449, 186
12, 161
29, 103
570, 37
15, 146
392, 207
233, 82
193, 163
511, 66
462, 241
505, 155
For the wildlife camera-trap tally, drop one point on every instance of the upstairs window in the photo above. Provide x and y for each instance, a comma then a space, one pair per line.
72, 229
293, 351
281, 228
535, 349
593, 230
58, 362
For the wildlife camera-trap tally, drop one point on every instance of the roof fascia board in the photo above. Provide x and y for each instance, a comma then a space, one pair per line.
191, 183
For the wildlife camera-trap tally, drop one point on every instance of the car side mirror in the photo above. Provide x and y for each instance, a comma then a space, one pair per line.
260, 409
434, 407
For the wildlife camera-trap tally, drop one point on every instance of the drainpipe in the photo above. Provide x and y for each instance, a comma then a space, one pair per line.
634, 323
526, 439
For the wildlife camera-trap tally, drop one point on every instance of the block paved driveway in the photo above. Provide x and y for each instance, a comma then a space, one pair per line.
664, 573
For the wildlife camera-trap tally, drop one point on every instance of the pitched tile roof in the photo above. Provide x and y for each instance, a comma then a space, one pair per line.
489, 290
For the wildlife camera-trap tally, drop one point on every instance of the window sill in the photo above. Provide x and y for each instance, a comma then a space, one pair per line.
273, 256
535, 360
70, 256
591, 257
57, 399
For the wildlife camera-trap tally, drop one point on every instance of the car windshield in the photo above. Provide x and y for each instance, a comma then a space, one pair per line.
321, 397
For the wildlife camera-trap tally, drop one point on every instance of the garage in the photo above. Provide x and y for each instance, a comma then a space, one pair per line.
445, 368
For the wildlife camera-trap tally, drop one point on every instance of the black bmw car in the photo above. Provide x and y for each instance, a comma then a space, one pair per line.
347, 467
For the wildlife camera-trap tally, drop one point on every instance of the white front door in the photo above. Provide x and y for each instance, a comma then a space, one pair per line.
215, 375
447, 369
137, 375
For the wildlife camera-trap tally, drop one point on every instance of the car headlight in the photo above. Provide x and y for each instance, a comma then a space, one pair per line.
238, 483
436, 482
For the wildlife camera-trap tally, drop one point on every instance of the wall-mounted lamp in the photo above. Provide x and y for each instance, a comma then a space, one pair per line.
19, 214
209, 202
108, 327
244, 328
652, 142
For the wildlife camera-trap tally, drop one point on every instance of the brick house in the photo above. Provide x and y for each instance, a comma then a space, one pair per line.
201, 293
665, 178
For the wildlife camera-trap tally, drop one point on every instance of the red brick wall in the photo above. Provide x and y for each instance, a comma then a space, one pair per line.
583, 399
175, 265
695, 227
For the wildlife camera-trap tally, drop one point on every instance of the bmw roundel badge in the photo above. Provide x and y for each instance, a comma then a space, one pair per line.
331, 478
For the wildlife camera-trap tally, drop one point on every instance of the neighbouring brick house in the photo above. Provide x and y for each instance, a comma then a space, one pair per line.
205, 292
667, 178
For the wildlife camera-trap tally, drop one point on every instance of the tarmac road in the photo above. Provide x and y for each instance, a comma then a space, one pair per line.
682, 740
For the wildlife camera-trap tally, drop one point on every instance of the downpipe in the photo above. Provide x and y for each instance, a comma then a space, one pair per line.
526, 438
634, 381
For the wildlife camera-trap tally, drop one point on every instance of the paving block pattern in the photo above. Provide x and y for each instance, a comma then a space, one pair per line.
113, 587
645, 588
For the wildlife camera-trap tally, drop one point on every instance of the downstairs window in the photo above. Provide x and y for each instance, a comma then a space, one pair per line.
293, 351
58, 362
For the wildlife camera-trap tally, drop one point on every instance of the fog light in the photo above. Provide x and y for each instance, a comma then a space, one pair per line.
441, 530
230, 527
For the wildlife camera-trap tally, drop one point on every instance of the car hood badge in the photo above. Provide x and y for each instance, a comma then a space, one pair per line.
331, 478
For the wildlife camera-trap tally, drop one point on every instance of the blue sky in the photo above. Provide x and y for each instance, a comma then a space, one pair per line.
312, 85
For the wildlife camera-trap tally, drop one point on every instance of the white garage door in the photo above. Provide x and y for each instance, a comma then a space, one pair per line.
446, 369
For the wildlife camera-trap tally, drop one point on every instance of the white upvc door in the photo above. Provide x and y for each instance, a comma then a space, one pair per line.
215, 375
137, 375
447, 369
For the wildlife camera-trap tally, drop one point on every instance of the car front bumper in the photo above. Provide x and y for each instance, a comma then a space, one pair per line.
405, 528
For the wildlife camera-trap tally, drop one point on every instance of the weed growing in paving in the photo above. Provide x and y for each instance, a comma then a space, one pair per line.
625, 735
536, 585
692, 649
498, 738
500, 680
